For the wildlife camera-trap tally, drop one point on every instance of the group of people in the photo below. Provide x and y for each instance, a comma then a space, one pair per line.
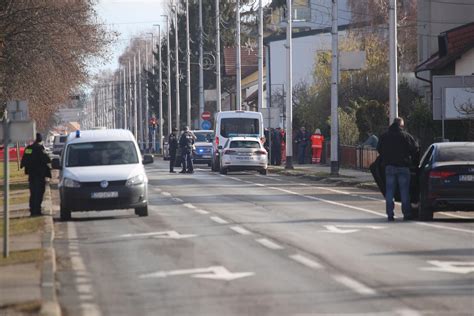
185, 144
303, 139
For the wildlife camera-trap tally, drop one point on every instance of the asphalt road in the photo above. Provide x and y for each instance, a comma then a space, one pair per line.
245, 244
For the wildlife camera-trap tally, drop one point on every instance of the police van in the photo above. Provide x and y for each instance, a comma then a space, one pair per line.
102, 170
235, 124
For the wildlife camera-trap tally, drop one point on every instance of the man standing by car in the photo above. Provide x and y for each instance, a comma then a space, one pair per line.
172, 148
186, 142
302, 139
398, 151
35, 161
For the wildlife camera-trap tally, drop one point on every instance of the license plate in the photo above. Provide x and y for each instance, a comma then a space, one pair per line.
104, 195
206, 156
242, 158
466, 178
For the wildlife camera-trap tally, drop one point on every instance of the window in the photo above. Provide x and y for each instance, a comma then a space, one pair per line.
101, 153
232, 127
455, 153
244, 144
204, 137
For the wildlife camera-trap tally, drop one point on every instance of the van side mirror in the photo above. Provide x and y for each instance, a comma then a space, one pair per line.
56, 164
147, 159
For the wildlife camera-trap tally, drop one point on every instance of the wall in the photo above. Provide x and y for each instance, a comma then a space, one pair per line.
465, 65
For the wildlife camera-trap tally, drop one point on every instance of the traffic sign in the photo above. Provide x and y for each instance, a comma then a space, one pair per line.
206, 115
206, 125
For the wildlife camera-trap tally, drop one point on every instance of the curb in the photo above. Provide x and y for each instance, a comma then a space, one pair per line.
49, 305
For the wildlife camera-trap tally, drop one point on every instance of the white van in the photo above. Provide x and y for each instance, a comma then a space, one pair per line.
235, 124
102, 170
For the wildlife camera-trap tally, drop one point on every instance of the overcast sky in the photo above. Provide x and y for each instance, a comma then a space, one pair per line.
129, 18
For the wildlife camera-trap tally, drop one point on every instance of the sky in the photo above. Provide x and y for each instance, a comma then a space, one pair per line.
129, 18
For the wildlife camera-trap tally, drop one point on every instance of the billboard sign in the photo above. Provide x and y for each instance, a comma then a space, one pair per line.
453, 97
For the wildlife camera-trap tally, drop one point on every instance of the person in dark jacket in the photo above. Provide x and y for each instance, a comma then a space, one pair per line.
172, 147
398, 151
35, 161
186, 142
302, 140
276, 147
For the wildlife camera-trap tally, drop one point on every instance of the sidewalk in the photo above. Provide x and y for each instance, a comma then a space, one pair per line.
29, 288
322, 173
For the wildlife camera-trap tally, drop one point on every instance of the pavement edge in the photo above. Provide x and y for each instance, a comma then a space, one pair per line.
49, 305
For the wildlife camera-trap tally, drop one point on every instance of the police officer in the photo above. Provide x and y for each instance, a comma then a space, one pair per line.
186, 142
35, 161
173, 147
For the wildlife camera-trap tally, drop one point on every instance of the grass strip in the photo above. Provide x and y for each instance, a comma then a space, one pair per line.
22, 256
25, 225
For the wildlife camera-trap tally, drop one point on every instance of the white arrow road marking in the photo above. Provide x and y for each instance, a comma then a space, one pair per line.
450, 266
171, 234
346, 229
213, 273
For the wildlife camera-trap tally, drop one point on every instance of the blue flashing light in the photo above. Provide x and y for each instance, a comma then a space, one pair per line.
78, 134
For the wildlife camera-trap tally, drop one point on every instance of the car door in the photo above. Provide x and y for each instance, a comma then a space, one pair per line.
421, 185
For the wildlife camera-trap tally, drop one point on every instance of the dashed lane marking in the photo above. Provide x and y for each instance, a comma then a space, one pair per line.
219, 220
203, 212
240, 230
188, 205
306, 261
354, 285
166, 193
178, 200
269, 244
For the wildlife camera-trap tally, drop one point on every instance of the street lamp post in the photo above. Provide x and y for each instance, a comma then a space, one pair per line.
218, 57
289, 89
168, 72
177, 67
188, 69
238, 76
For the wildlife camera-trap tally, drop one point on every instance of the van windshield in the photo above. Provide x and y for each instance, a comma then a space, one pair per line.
232, 127
101, 153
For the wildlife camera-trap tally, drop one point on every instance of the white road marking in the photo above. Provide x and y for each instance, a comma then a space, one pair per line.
83, 280
219, 220
455, 216
345, 229
240, 230
306, 261
459, 267
201, 211
213, 272
86, 297
90, 309
269, 244
178, 200
354, 285
74, 253
446, 227
188, 205
166, 193
78, 264
84, 288
236, 179
170, 234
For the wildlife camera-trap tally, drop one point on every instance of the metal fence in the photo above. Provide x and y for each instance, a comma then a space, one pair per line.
354, 157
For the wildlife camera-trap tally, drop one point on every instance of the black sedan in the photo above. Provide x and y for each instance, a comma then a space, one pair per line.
446, 179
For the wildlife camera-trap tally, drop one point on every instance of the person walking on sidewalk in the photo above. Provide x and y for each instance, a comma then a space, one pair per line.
186, 142
35, 161
172, 147
302, 139
317, 141
398, 151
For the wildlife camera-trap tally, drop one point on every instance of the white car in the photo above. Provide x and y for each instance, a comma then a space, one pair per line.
243, 153
102, 170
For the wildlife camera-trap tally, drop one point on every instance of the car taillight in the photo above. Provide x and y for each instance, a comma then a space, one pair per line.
438, 174
229, 152
217, 141
260, 152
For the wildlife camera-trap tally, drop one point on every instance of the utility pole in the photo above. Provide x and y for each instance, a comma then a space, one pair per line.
135, 105
140, 98
393, 60
334, 92
153, 136
160, 89
188, 69
218, 57
201, 70
168, 73
178, 115
289, 88
147, 104
130, 111
238, 74
260, 56
124, 98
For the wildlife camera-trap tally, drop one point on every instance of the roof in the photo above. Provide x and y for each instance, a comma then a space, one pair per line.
452, 44
101, 135
248, 61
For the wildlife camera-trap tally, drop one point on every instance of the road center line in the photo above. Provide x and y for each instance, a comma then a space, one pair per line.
354, 285
189, 205
219, 220
166, 193
446, 227
269, 244
240, 230
201, 211
306, 261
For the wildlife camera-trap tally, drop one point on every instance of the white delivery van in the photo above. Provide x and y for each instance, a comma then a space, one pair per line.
102, 170
235, 124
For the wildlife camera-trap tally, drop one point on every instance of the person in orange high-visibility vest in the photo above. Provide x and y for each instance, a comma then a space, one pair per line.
317, 141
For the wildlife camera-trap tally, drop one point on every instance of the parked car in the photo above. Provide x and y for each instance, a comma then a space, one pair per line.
12, 152
102, 170
243, 153
203, 147
446, 179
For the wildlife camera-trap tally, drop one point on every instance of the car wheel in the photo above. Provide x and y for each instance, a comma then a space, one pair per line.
425, 211
65, 215
263, 171
141, 211
223, 171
